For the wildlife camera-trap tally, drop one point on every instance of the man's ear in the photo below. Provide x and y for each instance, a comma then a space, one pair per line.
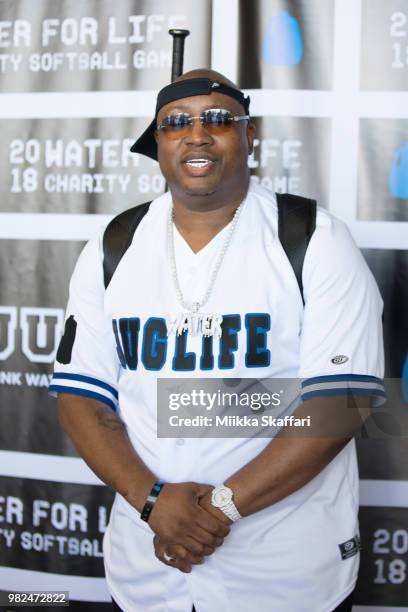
251, 131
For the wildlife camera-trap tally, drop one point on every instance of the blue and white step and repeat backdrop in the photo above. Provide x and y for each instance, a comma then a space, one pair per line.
329, 86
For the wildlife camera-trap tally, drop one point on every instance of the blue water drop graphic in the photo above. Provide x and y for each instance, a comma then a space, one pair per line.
404, 381
398, 177
282, 43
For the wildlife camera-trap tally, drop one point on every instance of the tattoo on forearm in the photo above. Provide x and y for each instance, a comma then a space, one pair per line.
107, 418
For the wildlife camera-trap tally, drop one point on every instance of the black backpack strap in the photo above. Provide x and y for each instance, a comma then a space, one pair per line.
118, 236
296, 224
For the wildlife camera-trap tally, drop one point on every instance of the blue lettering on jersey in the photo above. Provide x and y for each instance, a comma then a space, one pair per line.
183, 361
257, 355
231, 324
127, 338
154, 344
119, 350
282, 44
207, 356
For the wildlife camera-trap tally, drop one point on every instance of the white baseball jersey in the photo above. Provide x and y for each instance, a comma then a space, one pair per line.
300, 554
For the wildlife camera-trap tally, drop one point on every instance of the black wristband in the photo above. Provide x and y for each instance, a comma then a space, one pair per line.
151, 500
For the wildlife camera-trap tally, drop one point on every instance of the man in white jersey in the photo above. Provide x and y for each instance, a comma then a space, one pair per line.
239, 523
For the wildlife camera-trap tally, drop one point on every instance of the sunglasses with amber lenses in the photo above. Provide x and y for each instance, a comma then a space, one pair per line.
213, 119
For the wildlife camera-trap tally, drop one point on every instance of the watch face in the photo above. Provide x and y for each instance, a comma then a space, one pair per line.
222, 496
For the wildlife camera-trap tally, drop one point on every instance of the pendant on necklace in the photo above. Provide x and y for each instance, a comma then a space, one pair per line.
195, 323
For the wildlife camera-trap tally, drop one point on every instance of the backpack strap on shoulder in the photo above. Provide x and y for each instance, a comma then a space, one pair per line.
296, 224
118, 236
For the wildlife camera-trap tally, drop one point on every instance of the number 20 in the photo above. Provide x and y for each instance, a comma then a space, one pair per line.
398, 21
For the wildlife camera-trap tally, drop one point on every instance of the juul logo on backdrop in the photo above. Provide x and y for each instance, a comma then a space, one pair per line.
41, 329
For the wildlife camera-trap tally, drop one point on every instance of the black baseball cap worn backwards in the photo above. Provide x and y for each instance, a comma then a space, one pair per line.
146, 143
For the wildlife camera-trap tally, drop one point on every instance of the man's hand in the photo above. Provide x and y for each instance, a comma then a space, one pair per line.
178, 519
181, 558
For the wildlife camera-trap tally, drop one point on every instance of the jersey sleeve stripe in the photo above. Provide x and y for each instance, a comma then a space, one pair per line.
341, 377
55, 389
345, 391
86, 379
343, 384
